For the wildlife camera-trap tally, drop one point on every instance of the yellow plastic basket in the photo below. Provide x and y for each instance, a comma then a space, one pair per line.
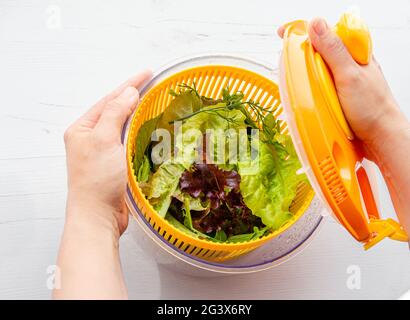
209, 81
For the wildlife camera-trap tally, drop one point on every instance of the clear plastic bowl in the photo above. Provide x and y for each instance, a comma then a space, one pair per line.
276, 251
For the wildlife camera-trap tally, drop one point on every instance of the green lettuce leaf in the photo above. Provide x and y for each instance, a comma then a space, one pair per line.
184, 103
187, 140
187, 215
269, 184
192, 232
220, 235
256, 234
211, 118
142, 141
162, 185
178, 225
195, 204
144, 170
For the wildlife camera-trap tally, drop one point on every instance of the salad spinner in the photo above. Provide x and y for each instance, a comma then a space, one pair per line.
260, 254
330, 156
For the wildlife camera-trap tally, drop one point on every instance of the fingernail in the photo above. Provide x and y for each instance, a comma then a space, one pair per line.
320, 27
129, 92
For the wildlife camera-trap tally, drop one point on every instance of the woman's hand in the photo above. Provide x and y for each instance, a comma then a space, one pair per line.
96, 163
89, 260
364, 94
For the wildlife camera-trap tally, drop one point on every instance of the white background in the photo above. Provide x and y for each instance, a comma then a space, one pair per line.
51, 72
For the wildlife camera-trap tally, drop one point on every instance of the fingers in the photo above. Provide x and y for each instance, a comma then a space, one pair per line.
281, 31
330, 46
112, 119
374, 60
136, 81
91, 117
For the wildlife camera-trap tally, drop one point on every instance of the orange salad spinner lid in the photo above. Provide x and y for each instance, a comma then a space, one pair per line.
331, 156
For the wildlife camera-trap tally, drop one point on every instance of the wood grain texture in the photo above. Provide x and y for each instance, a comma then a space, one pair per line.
51, 73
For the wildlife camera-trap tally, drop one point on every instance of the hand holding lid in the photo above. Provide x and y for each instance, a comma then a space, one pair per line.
322, 136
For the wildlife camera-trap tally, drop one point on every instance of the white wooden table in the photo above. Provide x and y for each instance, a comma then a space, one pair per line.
57, 57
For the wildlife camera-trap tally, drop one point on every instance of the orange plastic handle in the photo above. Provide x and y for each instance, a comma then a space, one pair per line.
356, 37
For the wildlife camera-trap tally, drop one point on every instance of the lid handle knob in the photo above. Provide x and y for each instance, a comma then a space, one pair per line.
356, 37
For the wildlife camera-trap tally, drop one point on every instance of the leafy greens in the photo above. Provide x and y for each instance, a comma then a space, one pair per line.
223, 202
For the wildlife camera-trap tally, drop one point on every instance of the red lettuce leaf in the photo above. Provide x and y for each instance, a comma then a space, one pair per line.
227, 210
210, 183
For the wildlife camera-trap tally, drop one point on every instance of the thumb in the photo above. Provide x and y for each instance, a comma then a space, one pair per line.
115, 114
330, 46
